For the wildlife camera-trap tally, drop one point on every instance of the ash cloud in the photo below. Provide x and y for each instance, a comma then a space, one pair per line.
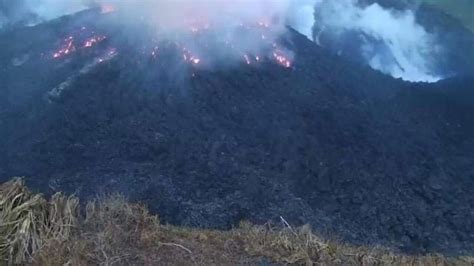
389, 40
223, 15
214, 32
229, 21
169, 14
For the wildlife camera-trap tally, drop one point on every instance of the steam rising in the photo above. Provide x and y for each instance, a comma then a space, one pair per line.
170, 14
207, 31
388, 40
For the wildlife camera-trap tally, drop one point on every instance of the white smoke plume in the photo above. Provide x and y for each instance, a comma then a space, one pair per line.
175, 20
171, 13
181, 20
391, 40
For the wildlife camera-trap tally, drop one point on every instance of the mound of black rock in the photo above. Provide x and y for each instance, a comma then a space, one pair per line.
355, 153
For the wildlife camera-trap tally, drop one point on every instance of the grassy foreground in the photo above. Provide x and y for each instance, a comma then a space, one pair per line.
112, 231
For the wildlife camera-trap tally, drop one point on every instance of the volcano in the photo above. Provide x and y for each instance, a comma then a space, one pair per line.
290, 130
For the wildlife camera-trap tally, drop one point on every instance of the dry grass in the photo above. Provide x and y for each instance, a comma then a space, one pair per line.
115, 232
28, 221
301, 246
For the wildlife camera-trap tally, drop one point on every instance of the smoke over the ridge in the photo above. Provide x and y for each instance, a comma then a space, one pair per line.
217, 30
169, 13
387, 39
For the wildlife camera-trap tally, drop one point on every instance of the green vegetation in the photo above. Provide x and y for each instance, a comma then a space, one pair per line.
463, 10
113, 231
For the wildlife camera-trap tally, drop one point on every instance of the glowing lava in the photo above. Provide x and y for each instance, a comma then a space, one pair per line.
94, 40
68, 45
251, 43
281, 58
190, 57
107, 8
67, 48
111, 53
247, 59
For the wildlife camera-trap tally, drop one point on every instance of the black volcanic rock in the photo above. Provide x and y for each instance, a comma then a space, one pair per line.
356, 153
